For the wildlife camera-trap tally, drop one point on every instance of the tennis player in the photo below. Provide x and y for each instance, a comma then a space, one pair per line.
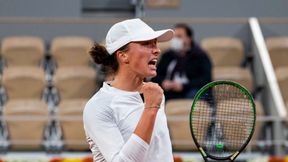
125, 120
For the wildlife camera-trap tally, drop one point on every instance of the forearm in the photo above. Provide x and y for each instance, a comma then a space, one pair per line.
110, 141
134, 150
145, 126
136, 147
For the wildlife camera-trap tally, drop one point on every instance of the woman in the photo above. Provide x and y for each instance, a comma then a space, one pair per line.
122, 126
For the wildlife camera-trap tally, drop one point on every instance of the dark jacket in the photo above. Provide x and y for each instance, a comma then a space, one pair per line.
195, 64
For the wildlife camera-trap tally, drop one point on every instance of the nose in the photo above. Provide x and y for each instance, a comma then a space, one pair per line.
156, 51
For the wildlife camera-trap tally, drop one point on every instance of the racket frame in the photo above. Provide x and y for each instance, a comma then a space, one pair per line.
196, 98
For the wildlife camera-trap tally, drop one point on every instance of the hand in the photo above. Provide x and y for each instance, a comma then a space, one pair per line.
167, 85
177, 87
153, 95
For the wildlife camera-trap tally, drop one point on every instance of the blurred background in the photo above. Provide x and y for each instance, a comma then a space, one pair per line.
47, 75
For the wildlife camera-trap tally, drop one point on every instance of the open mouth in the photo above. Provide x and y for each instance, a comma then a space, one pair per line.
153, 62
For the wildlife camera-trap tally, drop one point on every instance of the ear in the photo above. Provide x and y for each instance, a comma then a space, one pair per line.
122, 57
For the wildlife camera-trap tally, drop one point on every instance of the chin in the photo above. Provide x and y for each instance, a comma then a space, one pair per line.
149, 74
152, 74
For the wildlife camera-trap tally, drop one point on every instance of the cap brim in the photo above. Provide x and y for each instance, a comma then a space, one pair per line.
160, 35
165, 35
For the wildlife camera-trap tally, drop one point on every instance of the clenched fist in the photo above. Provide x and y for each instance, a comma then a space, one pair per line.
153, 95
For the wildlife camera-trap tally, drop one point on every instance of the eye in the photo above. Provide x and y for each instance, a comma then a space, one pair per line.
146, 43
149, 44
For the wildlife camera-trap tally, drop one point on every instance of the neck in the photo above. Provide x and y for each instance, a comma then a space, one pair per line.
127, 81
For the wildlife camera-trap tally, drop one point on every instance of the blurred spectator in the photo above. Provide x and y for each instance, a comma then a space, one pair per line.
184, 68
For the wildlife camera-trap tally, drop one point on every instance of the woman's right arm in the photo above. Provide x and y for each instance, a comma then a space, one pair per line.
103, 130
153, 95
108, 137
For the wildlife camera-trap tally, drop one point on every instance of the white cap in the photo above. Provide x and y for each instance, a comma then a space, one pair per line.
131, 30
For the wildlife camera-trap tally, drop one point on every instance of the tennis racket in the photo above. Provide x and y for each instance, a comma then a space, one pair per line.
222, 120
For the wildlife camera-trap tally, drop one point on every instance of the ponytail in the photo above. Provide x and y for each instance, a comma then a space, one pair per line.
100, 55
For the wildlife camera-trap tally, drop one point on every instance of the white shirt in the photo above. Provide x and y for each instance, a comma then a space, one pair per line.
110, 118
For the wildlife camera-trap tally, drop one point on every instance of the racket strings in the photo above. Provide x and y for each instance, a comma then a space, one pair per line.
222, 120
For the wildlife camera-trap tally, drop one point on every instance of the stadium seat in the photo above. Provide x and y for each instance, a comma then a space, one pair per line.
236, 74
287, 105
24, 82
163, 4
278, 50
71, 51
178, 112
164, 46
103, 42
26, 121
224, 51
70, 117
23, 51
75, 82
282, 77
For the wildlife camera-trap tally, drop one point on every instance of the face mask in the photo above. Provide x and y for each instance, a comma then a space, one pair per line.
177, 44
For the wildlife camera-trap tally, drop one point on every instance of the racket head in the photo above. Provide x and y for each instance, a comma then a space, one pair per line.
222, 119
